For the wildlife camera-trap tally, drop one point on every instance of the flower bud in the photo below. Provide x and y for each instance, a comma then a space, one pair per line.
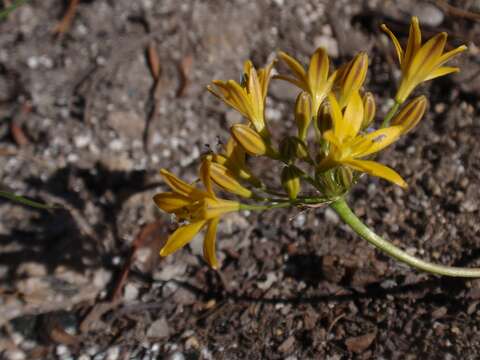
369, 110
291, 181
344, 177
411, 114
288, 149
324, 118
303, 114
249, 139
224, 178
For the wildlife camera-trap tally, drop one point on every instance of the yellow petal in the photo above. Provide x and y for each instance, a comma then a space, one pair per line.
225, 179
442, 71
376, 169
179, 186
354, 77
240, 98
329, 135
181, 237
427, 57
375, 141
353, 116
450, 54
294, 65
204, 175
255, 91
396, 44
171, 202
264, 78
414, 43
318, 70
209, 243
340, 127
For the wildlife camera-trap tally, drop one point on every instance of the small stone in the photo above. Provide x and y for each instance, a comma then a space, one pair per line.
358, 344
327, 42
177, 355
299, 220
31, 269
113, 353
271, 278
287, 345
192, 343
126, 123
331, 216
159, 329
15, 355
130, 293
428, 14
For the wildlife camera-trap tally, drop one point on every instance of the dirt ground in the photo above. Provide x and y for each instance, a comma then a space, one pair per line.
84, 124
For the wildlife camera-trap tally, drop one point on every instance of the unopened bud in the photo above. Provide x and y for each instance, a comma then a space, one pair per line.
291, 181
225, 179
303, 114
249, 139
324, 118
369, 109
344, 178
411, 114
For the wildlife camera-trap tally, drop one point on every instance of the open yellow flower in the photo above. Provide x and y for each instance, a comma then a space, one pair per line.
197, 207
315, 80
419, 62
348, 147
248, 98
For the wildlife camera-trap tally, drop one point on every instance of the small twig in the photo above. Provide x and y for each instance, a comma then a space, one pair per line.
457, 12
64, 25
330, 327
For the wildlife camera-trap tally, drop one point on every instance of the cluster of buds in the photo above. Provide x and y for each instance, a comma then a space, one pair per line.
336, 140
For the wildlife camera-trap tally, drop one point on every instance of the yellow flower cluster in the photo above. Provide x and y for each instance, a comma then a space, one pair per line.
330, 159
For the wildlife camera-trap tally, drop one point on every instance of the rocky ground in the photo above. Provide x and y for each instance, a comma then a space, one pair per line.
86, 124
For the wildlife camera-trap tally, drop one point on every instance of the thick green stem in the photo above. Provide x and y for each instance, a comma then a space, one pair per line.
390, 114
346, 214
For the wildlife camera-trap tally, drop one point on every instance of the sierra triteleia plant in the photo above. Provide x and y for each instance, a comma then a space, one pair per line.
336, 142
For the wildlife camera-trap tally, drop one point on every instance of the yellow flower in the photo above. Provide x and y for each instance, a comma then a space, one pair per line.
315, 81
197, 207
348, 146
419, 62
248, 98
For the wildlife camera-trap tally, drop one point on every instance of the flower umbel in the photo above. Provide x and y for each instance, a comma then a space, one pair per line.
308, 169
419, 62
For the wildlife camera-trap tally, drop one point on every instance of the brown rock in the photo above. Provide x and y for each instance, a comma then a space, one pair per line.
358, 344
